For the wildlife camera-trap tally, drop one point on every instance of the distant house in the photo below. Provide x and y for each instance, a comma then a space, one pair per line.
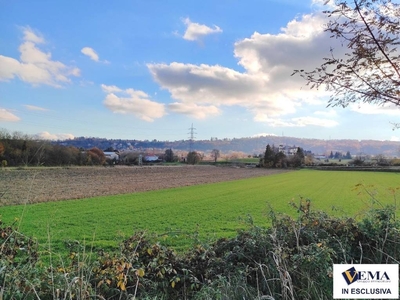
320, 157
287, 150
151, 158
111, 155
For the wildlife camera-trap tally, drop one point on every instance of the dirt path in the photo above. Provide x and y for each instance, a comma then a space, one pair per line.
52, 184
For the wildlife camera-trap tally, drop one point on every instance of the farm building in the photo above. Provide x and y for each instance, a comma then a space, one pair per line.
111, 156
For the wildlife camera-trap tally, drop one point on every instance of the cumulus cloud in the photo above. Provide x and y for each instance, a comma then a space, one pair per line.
206, 85
34, 65
194, 110
302, 122
265, 87
35, 108
195, 31
90, 53
7, 116
370, 109
33, 37
54, 136
130, 101
110, 89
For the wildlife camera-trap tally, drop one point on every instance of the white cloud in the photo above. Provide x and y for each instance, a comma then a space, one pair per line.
90, 53
265, 87
298, 122
35, 66
306, 121
110, 88
7, 116
36, 108
370, 109
194, 110
31, 36
395, 139
53, 136
207, 85
133, 102
195, 31
326, 113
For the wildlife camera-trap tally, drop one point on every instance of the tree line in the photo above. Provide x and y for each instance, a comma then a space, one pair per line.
18, 149
274, 158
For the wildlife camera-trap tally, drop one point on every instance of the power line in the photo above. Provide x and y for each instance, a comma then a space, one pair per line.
191, 133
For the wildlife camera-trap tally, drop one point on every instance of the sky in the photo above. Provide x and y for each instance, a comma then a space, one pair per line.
148, 70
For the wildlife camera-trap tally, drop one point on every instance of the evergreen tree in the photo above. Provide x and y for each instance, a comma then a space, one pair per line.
269, 156
298, 159
169, 155
338, 155
300, 152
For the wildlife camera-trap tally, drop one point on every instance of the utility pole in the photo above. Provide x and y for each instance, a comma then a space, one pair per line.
191, 133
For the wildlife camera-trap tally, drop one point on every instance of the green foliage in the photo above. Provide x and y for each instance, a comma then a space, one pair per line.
4, 163
18, 263
280, 160
212, 210
269, 157
291, 259
298, 159
169, 156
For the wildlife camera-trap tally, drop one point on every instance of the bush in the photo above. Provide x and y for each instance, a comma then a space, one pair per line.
395, 162
193, 158
291, 259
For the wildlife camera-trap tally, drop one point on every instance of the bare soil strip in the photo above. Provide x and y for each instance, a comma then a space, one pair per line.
34, 185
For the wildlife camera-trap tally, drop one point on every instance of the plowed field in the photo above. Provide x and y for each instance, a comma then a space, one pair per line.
52, 184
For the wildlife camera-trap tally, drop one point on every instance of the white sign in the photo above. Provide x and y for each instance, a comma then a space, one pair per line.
365, 281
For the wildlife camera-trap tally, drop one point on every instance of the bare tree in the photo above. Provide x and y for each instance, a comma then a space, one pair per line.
369, 72
193, 158
215, 154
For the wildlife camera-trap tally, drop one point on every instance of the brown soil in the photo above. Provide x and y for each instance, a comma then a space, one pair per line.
52, 184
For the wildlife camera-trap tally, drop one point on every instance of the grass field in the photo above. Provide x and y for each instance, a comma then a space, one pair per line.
212, 210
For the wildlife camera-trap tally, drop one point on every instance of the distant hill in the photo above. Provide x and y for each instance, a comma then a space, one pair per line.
254, 145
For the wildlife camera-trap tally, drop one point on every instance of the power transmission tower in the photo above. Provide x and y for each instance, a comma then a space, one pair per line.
192, 133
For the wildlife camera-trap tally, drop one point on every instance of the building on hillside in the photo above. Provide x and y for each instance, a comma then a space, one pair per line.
287, 150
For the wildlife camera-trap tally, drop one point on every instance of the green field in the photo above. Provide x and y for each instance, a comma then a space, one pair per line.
212, 210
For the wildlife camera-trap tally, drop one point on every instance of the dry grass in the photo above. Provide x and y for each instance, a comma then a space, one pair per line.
33, 185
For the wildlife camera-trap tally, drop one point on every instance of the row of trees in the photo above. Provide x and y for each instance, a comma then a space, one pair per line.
273, 158
17, 149
339, 155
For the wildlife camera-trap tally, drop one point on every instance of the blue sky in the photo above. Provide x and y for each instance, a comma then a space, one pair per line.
150, 69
